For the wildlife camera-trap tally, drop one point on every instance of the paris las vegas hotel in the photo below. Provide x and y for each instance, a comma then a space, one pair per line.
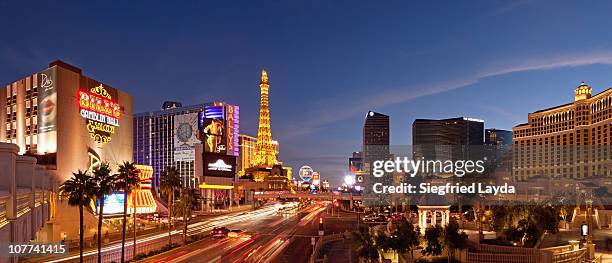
568, 141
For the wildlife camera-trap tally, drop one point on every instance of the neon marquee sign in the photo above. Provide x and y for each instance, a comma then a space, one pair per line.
101, 112
232, 130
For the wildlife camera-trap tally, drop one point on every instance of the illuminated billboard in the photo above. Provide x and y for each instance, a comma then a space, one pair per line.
233, 125
145, 202
316, 178
213, 127
220, 124
101, 112
355, 164
113, 204
219, 165
306, 173
47, 111
185, 136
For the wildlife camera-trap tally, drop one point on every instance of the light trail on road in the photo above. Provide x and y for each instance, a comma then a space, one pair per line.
193, 229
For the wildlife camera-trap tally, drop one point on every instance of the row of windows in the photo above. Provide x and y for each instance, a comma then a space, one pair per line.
583, 114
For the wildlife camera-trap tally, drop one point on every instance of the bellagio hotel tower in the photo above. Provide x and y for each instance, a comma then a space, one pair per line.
566, 141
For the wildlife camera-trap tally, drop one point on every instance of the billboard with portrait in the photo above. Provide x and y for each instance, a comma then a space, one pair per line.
47, 111
214, 129
185, 136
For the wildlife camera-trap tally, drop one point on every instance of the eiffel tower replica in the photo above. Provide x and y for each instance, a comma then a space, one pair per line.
266, 170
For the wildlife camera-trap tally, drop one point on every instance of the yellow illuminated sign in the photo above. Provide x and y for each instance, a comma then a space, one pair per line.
100, 111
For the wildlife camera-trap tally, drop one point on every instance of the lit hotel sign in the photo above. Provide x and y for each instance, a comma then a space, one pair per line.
233, 123
101, 112
219, 165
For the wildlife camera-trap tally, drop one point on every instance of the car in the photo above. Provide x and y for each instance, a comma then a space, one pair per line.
381, 218
236, 233
395, 217
219, 232
371, 218
375, 218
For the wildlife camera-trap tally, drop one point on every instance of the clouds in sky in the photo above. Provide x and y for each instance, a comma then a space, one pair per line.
380, 98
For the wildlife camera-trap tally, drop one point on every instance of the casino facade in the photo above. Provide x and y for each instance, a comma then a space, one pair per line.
567, 141
67, 121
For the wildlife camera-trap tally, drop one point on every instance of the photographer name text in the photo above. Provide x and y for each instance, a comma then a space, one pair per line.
427, 188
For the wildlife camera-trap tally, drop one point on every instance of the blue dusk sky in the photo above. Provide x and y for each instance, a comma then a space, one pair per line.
329, 62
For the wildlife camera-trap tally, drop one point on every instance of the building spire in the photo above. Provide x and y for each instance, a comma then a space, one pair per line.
582, 92
265, 155
264, 76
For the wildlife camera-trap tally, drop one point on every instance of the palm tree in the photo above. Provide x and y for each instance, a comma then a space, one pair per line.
79, 190
188, 202
127, 180
170, 182
365, 246
453, 239
104, 184
432, 237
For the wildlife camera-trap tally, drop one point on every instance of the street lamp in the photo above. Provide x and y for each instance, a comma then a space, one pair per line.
349, 180
588, 228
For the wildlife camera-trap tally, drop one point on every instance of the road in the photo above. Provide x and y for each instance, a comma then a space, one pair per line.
271, 235
301, 249
112, 252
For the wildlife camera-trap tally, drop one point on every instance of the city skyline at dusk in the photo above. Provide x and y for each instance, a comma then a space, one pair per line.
329, 63
306, 131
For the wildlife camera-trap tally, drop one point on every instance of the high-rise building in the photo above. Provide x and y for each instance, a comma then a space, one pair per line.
157, 142
446, 139
498, 137
247, 146
568, 141
375, 147
216, 159
376, 129
67, 119
68, 122
264, 155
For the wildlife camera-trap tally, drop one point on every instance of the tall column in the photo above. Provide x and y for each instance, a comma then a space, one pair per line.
8, 155
24, 176
420, 216
231, 199
41, 185
203, 196
434, 218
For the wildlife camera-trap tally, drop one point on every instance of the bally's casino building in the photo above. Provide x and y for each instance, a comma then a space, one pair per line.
67, 121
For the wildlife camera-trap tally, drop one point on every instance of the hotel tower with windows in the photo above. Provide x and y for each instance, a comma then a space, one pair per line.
66, 121
566, 141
